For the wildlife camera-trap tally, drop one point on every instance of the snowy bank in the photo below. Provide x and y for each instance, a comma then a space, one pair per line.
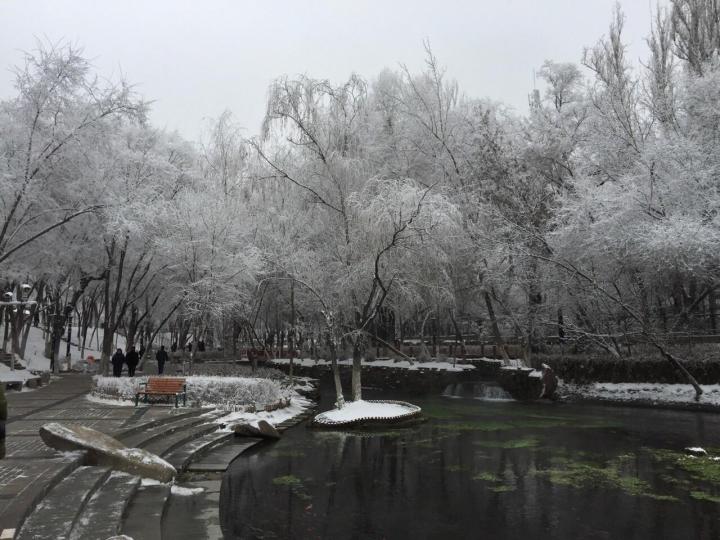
298, 405
359, 412
654, 393
17, 375
397, 364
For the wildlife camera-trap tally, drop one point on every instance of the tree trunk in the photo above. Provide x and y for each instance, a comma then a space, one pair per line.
357, 371
340, 399
495, 328
291, 334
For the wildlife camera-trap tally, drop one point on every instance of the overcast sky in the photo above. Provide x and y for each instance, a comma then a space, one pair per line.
197, 58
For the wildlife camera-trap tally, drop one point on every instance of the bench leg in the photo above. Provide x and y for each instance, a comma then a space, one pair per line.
137, 399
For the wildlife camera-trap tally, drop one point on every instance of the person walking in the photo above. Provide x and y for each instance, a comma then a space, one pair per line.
118, 359
161, 356
132, 359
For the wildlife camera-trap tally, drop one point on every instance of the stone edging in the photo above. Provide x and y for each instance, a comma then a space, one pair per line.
414, 413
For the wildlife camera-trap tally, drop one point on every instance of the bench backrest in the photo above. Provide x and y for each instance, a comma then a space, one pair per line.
165, 384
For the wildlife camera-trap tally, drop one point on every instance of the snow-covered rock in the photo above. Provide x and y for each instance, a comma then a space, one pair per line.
104, 450
264, 430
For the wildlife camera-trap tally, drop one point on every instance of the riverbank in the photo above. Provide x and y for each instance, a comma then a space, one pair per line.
645, 395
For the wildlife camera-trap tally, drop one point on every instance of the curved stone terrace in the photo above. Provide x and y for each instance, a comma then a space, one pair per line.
45, 493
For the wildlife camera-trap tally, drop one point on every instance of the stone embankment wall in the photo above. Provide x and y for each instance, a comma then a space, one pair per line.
416, 381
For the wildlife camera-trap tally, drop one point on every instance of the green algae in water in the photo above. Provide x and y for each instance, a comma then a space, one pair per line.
699, 468
524, 423
702, 496
487, 477
295, 484
526, 442
578, 474
502, 489
479, 425
497, 483
288, 480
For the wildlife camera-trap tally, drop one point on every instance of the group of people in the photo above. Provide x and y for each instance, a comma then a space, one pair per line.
132, 359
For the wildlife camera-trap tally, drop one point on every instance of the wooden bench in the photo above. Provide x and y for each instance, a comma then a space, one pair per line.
163, 386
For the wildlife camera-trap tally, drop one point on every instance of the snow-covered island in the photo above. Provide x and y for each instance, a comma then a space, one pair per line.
365, 413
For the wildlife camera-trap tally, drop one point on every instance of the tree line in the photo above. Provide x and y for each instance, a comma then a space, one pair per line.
592, 218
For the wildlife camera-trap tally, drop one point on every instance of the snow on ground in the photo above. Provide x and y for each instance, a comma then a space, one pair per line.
400, 364
646, 392
35, 348
185, 491
115, 402
357, 410
298, 404
8, 375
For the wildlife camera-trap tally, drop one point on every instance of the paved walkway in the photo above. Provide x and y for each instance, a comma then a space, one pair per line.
30, 468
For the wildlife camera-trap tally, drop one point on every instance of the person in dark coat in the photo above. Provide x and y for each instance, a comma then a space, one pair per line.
161, 356
132, 359
118, 359
201, 346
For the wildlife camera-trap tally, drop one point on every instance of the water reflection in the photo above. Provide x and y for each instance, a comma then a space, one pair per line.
478, 469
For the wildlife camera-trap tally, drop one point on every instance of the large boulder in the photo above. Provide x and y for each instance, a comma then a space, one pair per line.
104, 450
263, 429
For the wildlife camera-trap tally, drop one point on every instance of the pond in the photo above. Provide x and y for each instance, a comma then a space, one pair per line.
484, 468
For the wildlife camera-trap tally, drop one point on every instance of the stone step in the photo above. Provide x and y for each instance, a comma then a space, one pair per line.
295, 420
162, 446
220, 458
24, 483
156, 422
193, 450
102, 516
144, 514
143, 438
59, 510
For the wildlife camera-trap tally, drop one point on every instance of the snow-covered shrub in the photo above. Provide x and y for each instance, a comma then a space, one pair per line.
232, 370
229, 393
117, 387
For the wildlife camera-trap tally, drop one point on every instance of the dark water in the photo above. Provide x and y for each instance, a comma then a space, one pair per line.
484, 469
